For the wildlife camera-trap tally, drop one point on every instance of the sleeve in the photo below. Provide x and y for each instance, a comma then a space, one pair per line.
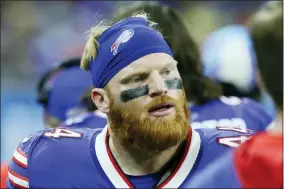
18, 176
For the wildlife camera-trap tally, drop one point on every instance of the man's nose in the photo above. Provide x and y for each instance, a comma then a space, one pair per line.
157, 86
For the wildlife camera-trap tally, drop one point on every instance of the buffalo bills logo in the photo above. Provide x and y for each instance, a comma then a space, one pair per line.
123, 38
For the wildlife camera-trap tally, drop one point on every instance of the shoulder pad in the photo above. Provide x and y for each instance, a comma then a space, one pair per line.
251, 110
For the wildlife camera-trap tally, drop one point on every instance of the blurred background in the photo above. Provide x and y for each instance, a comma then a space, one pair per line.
37, 34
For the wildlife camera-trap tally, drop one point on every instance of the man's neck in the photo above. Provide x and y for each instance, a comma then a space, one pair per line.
135, 162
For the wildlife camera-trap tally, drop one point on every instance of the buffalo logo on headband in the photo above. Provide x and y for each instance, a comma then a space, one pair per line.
123, 38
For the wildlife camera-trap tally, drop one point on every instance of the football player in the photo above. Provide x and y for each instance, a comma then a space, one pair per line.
147, 142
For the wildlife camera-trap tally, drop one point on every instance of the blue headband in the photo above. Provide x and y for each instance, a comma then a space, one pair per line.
122, 44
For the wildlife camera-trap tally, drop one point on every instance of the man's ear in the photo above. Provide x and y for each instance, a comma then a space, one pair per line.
100, 98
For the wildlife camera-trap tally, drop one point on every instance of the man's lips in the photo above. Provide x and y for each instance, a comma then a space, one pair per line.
160, 110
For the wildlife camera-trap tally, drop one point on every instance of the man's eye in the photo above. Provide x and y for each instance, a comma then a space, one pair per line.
137, 79
166, 72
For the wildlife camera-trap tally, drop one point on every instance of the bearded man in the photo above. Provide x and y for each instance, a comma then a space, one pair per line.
147, 142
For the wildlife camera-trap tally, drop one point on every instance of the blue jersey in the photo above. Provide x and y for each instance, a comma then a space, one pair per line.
89, 120
219, 174
81, 158
231, 112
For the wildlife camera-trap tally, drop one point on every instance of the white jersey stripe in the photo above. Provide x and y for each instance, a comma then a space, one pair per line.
105, 161
20, 158
187, 164
118, 181
17, 180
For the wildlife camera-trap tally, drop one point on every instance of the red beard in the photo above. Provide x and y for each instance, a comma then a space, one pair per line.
133, 125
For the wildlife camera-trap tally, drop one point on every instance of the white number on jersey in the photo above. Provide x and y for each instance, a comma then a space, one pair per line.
237, 129
60, 132
233, 141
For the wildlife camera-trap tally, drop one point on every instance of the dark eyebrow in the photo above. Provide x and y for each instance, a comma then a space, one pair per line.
127, 79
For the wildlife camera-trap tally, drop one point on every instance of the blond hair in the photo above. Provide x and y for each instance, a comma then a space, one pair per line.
92, 44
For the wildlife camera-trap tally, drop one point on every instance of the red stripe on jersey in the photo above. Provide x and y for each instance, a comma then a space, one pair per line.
21, 152
19, 163
17, 175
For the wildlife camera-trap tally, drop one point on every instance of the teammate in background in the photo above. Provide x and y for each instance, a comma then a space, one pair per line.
147, 142
93, 118
207, 105
258, 163
60, 91
229, 59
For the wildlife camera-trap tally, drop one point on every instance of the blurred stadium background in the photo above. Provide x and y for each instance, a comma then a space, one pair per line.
37, 34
